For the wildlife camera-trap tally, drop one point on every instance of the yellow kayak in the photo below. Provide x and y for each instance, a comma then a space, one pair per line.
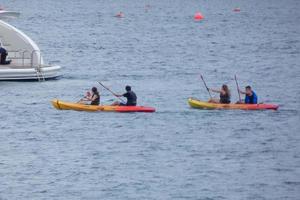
62, 105
195, 103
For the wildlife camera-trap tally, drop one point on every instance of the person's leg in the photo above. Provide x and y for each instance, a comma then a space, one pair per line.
214, 101
7, 62
81, 101
116, 103
2, 58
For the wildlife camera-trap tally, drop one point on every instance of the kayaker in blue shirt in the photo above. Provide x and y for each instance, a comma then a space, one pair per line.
250, 96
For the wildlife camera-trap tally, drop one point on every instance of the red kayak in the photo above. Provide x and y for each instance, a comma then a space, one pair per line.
134, 109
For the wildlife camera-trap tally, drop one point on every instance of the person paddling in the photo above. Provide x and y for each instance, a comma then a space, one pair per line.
224, 95
94, 98
250, 96
131, 98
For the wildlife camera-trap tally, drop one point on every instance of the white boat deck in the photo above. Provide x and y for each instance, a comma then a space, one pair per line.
25, 55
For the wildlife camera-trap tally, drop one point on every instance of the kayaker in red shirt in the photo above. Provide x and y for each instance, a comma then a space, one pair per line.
224, 95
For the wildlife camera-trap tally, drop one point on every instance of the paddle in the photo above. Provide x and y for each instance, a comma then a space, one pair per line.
79, 100
82, 99
205, 86
238, 88
111, 92
86, 97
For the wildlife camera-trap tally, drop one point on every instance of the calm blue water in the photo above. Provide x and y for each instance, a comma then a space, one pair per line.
178, 152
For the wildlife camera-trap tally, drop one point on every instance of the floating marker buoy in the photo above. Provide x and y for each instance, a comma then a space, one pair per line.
119, 15
237, 10
147, 7
198, 16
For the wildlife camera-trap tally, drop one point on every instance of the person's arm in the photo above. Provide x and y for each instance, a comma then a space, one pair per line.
216, 91
85, 99
242, 92
255, 99
125, 95
89, 98
93, 98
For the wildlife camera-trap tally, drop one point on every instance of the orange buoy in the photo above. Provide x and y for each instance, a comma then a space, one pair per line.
237, 10
120, 15
198, 16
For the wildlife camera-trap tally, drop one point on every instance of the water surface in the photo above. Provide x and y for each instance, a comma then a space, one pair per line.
178, 152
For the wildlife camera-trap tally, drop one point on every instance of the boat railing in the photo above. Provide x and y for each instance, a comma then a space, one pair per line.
24, 55
38, 65
21, 55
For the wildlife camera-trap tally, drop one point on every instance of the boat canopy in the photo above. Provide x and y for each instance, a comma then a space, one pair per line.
20, 47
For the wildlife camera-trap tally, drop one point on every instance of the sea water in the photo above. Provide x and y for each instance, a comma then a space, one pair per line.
157, 48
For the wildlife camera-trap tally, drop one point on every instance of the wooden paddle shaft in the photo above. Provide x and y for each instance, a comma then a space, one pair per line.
206, 86
111, 92
238, 89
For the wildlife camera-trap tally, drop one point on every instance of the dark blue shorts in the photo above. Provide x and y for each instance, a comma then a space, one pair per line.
124, 104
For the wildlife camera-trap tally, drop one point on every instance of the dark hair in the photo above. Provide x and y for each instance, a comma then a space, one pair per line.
94, 90
128, 88
248, 87
226, 89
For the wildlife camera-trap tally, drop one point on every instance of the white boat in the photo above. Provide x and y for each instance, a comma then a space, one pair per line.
26, 60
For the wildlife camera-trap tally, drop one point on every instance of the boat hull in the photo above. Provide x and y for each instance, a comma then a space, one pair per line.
62, 105
15, 74
194, 103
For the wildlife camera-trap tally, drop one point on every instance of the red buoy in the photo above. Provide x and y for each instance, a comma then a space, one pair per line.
198, 16
237, 10
119, 15
147, 7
